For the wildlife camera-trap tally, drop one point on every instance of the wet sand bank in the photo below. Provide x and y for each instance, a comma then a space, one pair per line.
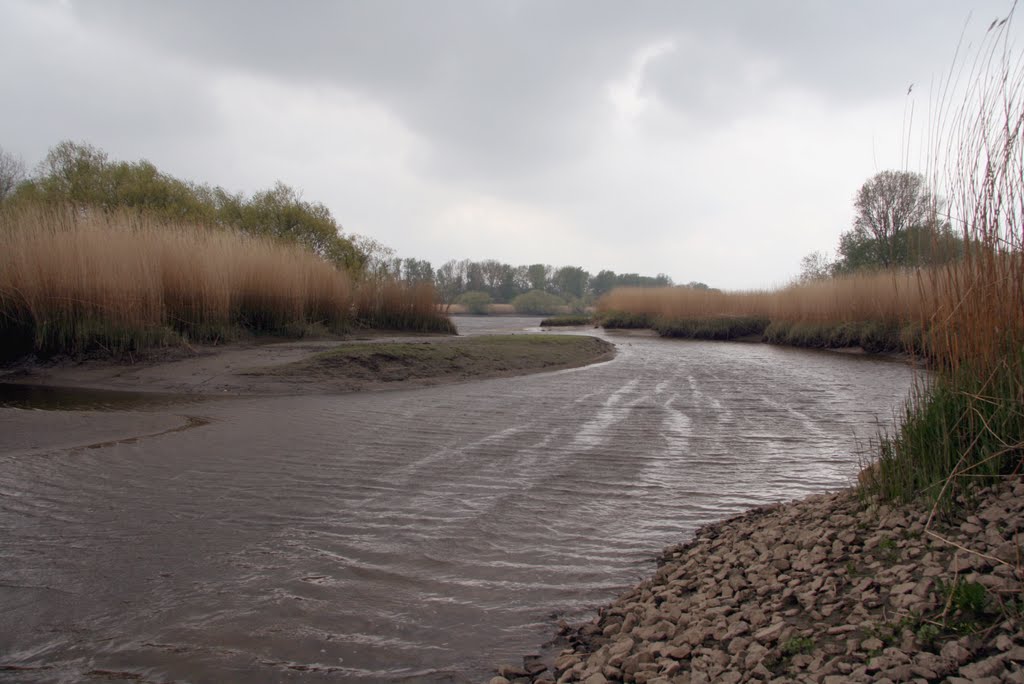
318, 367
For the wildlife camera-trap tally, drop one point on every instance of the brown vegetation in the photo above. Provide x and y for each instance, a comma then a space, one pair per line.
892, 296
74, 279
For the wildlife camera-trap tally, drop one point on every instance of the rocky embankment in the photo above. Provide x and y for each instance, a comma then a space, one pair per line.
828, 589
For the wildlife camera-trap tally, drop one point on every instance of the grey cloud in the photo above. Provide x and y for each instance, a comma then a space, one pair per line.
504, 88
496, 89
105, 91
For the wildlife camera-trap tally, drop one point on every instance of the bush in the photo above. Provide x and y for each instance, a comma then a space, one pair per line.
568, 320
82, 175
625, 320
720, 328
538, 302
475, 302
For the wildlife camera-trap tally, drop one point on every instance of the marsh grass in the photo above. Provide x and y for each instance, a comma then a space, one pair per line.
879, 311
477, 356
872, 336
567, 320
720, 328
625, 320
74, 280
965, 427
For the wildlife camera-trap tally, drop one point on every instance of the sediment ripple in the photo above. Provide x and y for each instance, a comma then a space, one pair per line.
412, 535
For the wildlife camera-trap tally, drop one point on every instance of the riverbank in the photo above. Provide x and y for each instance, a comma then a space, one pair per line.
315, 367
827, 589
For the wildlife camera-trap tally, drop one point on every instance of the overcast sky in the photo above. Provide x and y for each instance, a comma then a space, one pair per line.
717, 142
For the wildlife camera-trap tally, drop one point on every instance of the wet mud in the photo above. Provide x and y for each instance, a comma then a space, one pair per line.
412, 535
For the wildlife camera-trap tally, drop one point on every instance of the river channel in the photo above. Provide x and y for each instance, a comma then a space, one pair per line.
407, 535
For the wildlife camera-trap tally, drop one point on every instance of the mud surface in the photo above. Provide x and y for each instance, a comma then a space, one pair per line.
419, 535
381, 361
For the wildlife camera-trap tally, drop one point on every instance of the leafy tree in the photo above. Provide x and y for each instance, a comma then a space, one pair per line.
887, 205
521, 278
571, 281
507, 289
449, 280
815, 266
492, 271
896, 223
603, 283
81, 174
282, 213
476, 302
537, 302
378, 259
72, 172
537, 274
637, 280
474, 277
140, 185
12, 173
417, 271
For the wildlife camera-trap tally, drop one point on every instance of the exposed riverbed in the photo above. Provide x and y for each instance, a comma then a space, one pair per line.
423, 534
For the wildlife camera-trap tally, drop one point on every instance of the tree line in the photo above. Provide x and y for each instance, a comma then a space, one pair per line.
898, 223
502, 283
81, 174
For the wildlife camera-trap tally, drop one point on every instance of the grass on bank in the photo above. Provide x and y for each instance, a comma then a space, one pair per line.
74, 280
965, 428
464, 357
567, 321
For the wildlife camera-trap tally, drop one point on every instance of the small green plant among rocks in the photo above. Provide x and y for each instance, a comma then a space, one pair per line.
797, 646
966, 606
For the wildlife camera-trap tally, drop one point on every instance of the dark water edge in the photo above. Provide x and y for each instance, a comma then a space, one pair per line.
420, 535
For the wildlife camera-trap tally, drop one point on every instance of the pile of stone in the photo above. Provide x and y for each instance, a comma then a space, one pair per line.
828, 589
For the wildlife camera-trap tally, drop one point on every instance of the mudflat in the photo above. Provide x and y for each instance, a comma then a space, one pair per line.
320, 366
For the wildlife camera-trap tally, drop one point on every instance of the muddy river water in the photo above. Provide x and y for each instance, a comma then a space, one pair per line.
410, 535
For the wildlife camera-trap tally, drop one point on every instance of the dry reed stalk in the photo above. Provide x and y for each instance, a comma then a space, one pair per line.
890, 296
73, 278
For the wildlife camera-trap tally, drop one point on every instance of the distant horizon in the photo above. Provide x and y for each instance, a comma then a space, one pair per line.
713, 144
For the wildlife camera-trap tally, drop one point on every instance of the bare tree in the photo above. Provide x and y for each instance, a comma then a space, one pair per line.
12, 172
887, 205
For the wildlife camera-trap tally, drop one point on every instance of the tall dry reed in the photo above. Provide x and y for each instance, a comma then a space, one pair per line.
391, 304
74, 279
891, 296
966, 427
879, 311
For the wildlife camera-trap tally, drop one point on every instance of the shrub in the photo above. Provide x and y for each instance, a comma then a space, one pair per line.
475, 302
538, 302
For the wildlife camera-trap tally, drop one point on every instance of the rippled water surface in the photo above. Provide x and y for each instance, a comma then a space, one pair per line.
419, 535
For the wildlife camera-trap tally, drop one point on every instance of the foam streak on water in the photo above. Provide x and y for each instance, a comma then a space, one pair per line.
420, 535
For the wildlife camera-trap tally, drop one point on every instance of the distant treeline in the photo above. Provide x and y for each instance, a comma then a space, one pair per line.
80, 174
502, 283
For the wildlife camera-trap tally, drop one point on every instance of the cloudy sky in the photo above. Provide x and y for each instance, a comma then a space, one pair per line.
716, 142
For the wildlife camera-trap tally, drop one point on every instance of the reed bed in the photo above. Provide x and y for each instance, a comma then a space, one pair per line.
888, 295
74, 280
882, 310
965, 427
396, 305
